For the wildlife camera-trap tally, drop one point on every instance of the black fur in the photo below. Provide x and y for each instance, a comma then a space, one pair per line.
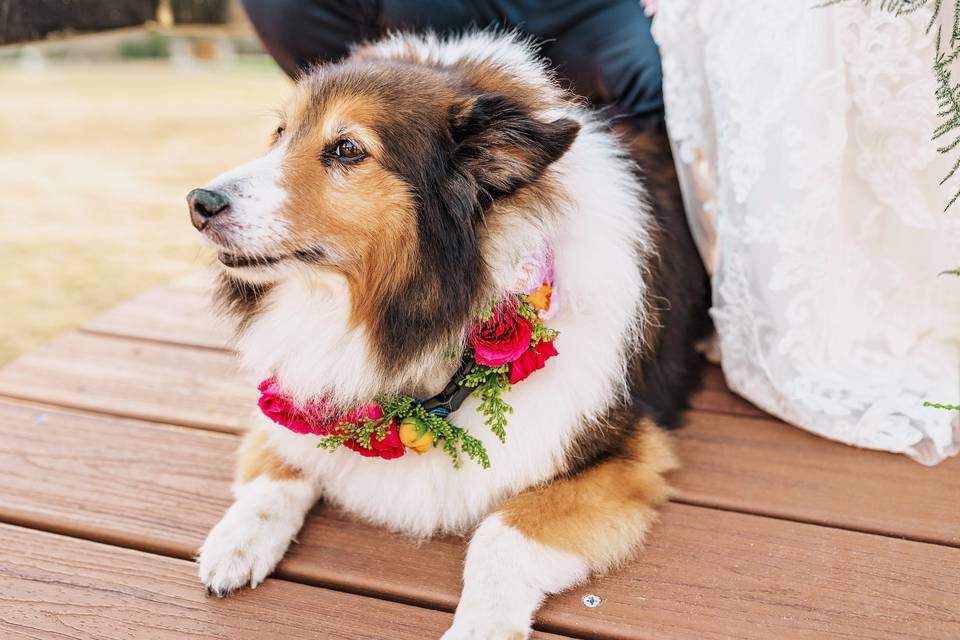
238, 298
670, 371
503, 148
663, 374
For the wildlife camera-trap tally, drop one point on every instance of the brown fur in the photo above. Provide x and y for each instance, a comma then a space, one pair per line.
255, 458
603, 513
367, 216
365, 212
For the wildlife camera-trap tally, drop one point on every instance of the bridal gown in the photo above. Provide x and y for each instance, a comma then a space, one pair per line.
803, 139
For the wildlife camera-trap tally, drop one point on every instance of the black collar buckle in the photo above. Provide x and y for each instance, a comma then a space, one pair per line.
453, 395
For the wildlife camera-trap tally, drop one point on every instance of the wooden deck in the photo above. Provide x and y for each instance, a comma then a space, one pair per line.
115, 459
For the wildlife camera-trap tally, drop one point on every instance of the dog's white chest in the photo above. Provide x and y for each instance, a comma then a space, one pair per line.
423, 494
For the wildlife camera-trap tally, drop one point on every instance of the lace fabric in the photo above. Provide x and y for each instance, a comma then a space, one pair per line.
802, 139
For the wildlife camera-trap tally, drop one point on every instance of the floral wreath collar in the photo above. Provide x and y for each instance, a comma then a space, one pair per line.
506, 344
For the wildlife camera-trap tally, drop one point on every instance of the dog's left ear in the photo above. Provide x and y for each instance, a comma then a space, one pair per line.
503, 146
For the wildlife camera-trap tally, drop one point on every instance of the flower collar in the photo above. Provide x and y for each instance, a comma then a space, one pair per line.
505, 345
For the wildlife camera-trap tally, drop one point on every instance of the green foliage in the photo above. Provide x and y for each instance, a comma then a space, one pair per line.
541, 333
489, 384
152, 46
398, 408
362, 432
948, 98
938, 405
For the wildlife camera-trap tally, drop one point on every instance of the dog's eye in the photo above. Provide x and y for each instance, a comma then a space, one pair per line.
278, 132
348, 150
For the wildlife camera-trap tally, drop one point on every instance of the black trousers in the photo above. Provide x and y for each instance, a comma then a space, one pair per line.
603, 48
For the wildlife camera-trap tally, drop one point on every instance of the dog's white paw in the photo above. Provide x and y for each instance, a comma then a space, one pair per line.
485, 625
241, 550
250, 540
505, 578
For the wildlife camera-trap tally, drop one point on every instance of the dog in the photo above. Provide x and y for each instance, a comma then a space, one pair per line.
408, 188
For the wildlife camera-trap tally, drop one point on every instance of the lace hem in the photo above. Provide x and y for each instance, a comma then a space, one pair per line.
802, 138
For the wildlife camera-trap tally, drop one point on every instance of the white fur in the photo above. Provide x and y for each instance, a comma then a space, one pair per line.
311, 312
253, 225
505, 578
253, 535
508, 50
303, 336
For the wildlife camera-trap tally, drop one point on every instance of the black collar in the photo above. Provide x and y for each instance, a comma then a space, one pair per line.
453, 395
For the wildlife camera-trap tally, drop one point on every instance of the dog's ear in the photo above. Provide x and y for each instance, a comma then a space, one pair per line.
502, 146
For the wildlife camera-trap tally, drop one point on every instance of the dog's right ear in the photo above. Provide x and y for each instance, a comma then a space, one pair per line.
504, 147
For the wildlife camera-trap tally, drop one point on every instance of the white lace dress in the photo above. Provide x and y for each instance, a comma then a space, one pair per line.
802, 136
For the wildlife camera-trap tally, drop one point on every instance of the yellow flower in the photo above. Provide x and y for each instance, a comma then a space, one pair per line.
411, 436
540, 299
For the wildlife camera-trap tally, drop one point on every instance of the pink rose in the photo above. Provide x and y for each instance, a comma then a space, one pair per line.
533, 359
315, 418
502, 338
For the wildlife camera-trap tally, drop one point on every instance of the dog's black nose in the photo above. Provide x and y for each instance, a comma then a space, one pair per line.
204, 204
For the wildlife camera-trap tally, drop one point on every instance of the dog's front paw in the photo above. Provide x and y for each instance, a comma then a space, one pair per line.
242, 550
485, 625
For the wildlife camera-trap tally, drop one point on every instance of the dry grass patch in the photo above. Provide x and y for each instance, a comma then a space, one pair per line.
94, 166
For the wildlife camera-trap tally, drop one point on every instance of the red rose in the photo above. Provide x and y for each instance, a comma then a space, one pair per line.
532, 360
388, 448
502, 338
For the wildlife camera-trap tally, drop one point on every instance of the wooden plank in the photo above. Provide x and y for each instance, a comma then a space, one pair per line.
705, 574
716, 397
131, 483
165, 383
178, 313
200, 281
770, 468
751, 465
53, 586
725, 401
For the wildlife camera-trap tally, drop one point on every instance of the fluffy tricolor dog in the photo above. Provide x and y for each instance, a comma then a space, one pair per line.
407, 188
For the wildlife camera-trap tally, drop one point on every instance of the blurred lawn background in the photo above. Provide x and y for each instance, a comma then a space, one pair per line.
101, 137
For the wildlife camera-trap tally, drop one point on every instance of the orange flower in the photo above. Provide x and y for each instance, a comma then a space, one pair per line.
540, 299
414, 435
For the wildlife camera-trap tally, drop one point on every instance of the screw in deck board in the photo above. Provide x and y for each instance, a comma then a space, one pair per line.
591, 600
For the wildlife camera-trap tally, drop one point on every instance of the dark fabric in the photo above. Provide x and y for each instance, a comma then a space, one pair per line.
298, 32
603, 48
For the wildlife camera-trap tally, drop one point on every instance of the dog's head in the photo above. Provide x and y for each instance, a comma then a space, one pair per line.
387, 170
